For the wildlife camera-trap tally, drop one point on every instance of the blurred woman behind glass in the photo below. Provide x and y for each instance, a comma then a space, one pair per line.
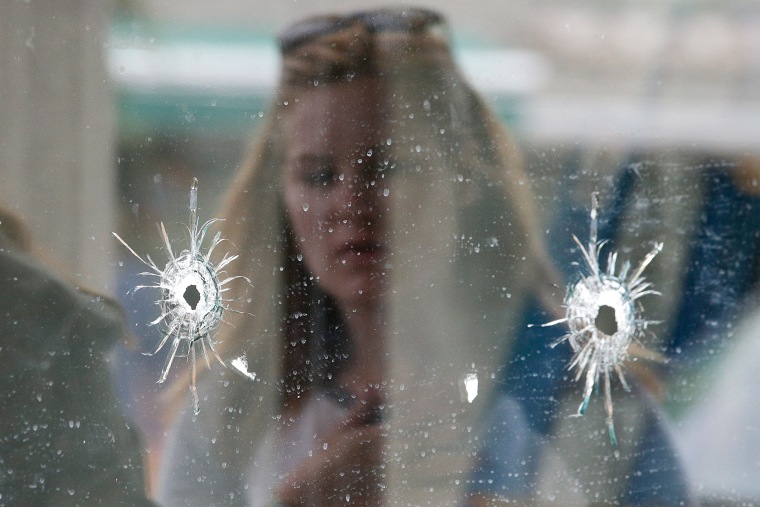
387, 227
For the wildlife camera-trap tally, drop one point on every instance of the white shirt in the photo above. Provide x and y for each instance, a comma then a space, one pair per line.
283, 449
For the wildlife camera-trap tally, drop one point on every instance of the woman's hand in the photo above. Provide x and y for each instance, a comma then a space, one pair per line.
347, 468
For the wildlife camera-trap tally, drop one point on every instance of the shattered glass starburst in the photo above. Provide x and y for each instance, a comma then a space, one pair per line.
191, 301
604, 318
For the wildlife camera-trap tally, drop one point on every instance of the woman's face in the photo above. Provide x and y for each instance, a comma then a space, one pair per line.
335, 187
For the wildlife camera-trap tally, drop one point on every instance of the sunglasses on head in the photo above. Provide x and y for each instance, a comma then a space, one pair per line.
411, 21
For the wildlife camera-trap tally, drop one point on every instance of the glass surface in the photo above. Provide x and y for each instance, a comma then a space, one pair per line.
494, 253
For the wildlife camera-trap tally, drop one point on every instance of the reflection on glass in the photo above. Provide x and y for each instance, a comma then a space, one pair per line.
395, 255
63, 437
652, 104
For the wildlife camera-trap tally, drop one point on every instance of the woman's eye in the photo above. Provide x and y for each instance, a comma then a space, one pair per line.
320, 177
314, 169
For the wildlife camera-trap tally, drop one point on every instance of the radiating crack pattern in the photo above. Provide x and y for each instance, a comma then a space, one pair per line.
191, 294
604, 317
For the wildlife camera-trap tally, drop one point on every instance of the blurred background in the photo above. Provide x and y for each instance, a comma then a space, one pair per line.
108, 108
103, 85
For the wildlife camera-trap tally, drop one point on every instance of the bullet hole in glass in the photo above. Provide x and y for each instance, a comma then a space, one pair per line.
605, 320
192, 296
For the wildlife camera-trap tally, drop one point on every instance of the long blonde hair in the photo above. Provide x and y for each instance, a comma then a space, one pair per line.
431, 101
465, 244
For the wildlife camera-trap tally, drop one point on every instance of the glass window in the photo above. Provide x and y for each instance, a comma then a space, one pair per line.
296, 254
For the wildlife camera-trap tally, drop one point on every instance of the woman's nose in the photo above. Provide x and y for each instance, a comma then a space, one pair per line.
354, 196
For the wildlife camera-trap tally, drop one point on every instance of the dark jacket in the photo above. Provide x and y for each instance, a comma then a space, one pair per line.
63, 439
